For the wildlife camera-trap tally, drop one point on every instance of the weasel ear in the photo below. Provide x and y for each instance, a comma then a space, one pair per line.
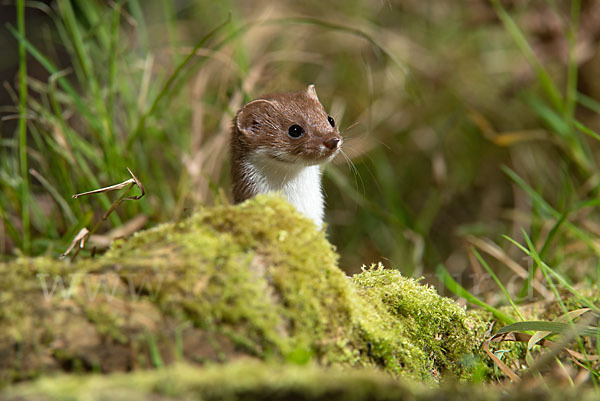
312, 93
250, 118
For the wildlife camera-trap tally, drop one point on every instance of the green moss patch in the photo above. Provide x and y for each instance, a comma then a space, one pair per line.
253, 380
440, 332
256, 279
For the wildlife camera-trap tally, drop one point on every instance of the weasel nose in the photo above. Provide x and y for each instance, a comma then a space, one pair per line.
332, 143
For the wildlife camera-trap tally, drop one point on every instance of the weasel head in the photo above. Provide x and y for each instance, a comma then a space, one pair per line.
289, 128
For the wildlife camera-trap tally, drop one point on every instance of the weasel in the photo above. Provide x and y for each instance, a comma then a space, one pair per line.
278, 144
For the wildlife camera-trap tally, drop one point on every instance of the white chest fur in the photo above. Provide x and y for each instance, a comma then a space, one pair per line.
300, 185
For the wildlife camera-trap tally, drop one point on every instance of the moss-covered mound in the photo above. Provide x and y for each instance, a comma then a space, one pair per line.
255, 279
252, 380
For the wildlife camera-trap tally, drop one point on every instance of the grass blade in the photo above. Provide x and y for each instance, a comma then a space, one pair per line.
169, 82
549, 210
553, 327
460, 291
49, 66
588, 102
23, 163
56, 195
519, 38
498, 283
586, 130
584, 301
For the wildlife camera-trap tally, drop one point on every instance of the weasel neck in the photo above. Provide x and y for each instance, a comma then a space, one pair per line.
299, 184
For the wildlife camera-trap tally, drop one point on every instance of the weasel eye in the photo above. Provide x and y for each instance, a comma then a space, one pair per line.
295, 131
331, 121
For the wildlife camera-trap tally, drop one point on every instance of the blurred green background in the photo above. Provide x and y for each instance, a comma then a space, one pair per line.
464, 120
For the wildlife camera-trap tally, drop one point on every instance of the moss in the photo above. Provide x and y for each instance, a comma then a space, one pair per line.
253, 380
254, 279
441, 330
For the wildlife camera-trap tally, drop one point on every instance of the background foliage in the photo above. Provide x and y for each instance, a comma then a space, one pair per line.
465, 121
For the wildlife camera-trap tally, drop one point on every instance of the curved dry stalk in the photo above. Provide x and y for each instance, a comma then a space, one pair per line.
84, 233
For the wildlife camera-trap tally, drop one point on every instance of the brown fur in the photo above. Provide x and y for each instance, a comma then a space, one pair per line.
262, 126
